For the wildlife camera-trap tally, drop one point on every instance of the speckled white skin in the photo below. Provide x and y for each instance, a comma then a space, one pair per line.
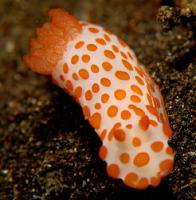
114, 147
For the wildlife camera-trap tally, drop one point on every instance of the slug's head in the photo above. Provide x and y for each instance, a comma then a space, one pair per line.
139, 155
52, 38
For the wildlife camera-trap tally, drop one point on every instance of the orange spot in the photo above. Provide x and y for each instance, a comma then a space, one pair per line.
139, 80
69, 86
144, 122
136, 89
125, 115
129, 54
143, 183
100, 41
139, 71
112, 111
162, 117
119, 135
129, 126
62, 77
109, 54
65, 68
103, 152
75, 76
85, 58
137, 110
97, 106
84, 74
55, 82
152, 86
94, 68
131, 179
95, 120
103, 134
95, 88
169, 151
107, 66
135, 99
78, 92
113, 170
107, 31
111, 133
127, 64
122, 42
149, 89
155, 181
74, 59
86, 111
152, 110
88, 95
124, 158
141, 159
136, 142
166, 166
105, 98
105, 82
122, 75
167, 130
115, 48
123, 54
107, 37
93, 30
120, 94
91, 47
79, 44
158, 102
155, 103
149, 97
157, 146
153, 123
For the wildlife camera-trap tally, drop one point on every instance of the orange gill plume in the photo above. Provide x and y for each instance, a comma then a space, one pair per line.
49, 46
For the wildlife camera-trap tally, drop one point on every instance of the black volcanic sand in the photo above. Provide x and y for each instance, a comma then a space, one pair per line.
47, 149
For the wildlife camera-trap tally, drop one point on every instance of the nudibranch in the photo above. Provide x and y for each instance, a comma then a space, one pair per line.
117, 95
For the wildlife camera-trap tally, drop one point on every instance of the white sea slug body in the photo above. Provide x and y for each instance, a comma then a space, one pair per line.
118, 97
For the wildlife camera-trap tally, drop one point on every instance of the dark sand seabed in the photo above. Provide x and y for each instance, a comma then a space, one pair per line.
47, 149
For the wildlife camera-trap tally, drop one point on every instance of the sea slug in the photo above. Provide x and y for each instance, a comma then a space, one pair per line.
117, 95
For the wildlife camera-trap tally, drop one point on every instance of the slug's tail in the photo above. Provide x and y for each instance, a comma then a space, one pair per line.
49, 46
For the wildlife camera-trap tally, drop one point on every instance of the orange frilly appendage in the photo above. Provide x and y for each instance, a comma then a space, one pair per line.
49, 46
